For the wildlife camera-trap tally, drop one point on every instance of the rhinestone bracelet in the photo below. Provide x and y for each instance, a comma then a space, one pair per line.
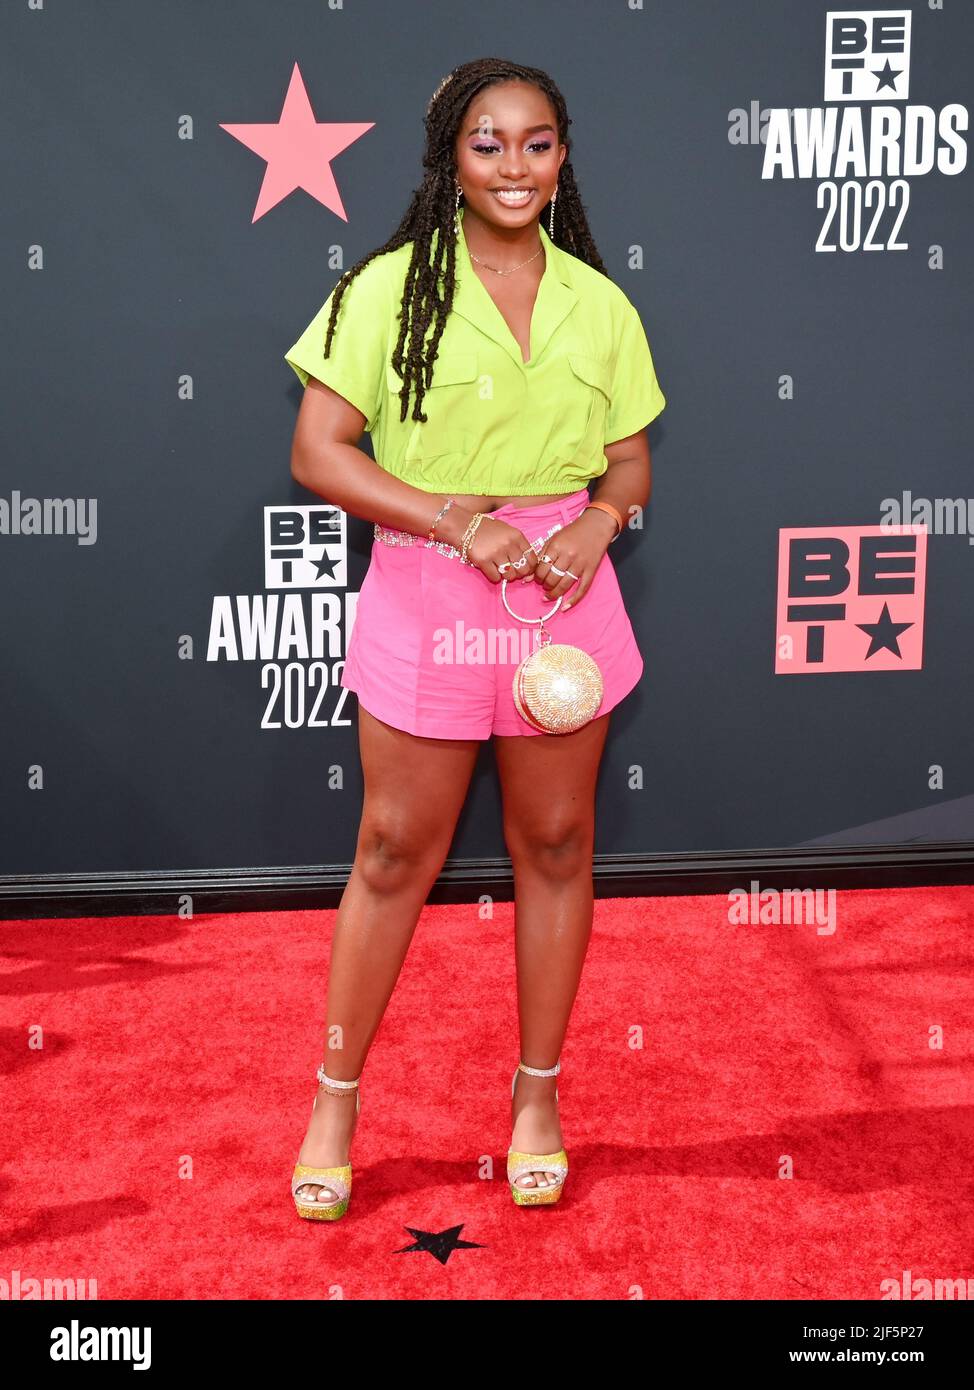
439, 517
388, 535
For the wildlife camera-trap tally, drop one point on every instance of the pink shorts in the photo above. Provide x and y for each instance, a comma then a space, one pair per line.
433, 650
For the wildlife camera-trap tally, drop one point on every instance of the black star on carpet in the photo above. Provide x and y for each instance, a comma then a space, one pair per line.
439, 1244
884, 633
886, 77
326, 565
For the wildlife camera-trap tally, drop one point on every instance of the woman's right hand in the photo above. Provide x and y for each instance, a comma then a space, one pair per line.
495, 543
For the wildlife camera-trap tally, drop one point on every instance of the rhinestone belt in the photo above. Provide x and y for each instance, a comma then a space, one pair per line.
390, 536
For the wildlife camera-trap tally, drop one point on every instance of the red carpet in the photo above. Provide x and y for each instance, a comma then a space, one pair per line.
149, 1143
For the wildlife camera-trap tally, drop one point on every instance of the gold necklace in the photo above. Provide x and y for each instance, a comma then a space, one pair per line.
513, 267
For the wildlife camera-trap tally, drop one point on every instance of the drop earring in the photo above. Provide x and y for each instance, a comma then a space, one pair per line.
456, 212
551, 219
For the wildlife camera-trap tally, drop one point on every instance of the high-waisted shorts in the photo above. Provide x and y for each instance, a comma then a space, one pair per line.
433, 650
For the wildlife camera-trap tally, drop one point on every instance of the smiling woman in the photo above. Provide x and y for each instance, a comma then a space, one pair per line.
500, 372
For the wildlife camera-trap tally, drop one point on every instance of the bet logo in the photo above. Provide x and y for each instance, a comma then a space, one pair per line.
867, 55
850, 598
305, 547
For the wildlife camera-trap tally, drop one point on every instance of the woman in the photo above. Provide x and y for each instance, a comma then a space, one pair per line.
498, 370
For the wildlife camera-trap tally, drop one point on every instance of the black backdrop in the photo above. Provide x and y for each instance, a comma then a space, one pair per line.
148, 312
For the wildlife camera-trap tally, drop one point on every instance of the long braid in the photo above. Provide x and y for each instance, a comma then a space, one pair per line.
430, 218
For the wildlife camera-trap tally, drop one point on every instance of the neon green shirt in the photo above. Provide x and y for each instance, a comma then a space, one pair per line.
496, 425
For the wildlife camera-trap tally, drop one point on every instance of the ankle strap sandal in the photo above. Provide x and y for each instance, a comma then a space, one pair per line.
336, 1180
519, 1163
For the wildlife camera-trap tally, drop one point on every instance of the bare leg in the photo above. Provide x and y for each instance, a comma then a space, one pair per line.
414, 790
548, 786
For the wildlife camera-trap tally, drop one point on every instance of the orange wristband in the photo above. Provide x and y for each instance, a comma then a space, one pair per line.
608, 507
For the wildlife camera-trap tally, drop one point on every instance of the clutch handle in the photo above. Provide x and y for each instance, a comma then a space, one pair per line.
544, 638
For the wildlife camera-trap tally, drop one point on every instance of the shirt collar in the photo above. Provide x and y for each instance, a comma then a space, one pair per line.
555, 300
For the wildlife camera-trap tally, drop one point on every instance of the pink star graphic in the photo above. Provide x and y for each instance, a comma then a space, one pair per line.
298, 150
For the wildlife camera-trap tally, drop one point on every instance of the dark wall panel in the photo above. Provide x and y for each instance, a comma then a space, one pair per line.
814, 365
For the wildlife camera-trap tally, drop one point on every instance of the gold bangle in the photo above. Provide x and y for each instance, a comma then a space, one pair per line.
469, 534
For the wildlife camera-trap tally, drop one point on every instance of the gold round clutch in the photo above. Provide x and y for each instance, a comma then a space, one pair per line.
558, 688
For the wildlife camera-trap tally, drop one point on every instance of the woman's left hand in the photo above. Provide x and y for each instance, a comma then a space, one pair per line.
578, 547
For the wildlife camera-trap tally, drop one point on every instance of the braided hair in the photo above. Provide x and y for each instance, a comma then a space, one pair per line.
433, 209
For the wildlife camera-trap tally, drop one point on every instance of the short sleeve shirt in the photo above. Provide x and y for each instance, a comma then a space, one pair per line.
496, 425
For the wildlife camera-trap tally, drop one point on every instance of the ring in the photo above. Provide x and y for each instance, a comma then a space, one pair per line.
514, 564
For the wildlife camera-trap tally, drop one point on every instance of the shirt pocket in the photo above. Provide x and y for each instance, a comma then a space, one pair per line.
586, 409
449, 404
592, 370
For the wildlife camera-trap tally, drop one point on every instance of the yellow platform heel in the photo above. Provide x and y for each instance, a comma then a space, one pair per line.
520, 1163
337, 1180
